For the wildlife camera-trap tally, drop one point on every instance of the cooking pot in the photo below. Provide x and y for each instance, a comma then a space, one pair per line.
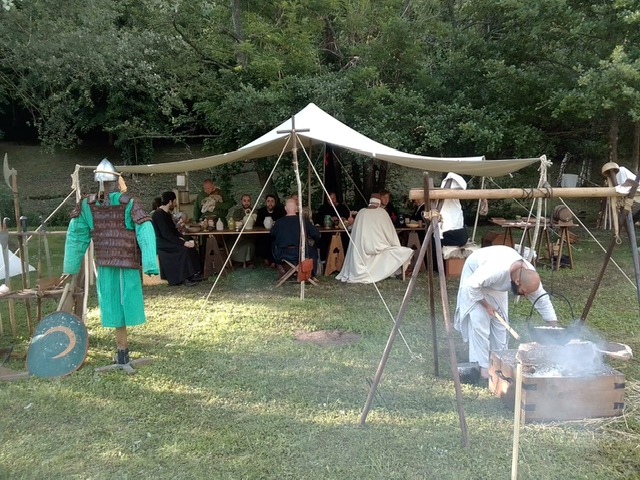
551, 335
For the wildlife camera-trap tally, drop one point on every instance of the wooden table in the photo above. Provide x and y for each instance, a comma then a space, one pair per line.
217, 251
545, 225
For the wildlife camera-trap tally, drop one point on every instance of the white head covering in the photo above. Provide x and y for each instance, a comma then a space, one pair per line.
451, 211
457, 182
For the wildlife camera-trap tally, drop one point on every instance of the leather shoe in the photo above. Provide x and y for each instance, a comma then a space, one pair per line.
188, 283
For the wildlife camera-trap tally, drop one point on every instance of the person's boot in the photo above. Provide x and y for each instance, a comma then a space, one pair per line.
122, 356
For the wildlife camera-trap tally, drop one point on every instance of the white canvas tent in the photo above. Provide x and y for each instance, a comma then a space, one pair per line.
324, 129
15, 265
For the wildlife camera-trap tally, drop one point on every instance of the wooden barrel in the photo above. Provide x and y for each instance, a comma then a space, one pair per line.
562, 214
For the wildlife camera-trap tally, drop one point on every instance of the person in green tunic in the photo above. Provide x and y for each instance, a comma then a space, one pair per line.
124, 239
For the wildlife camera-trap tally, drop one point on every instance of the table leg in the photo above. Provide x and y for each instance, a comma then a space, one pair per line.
413, 242
335, 255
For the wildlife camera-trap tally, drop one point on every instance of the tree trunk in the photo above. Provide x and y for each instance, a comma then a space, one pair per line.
614, 128
356, 175
383, 169
262, 178
635, 153
368, 175
238, 30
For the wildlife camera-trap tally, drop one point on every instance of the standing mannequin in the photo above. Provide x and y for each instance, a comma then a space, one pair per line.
124, 239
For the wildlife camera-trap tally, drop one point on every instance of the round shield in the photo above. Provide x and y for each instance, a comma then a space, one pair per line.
58, 346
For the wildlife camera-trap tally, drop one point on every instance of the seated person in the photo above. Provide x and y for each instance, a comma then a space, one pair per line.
285, 235
329, 208
244, 250
273, 211
375, 253
452, 229
453, 233
207, 200
179, 260
385, 199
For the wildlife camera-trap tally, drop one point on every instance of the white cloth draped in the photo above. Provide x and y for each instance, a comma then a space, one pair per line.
379, 254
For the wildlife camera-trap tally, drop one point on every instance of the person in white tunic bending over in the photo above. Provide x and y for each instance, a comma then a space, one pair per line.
487, 276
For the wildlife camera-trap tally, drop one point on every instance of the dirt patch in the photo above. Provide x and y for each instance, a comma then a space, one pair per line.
326, 338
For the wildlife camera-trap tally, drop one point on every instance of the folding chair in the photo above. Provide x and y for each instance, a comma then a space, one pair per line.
301, 276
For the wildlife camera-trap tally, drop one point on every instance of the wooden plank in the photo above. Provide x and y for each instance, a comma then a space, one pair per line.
595, 192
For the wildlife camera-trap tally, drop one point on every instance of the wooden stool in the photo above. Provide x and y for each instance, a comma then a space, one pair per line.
335, 255
564, 240
293, 269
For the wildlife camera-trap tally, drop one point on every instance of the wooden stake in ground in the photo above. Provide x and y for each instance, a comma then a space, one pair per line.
516, 423
11, 177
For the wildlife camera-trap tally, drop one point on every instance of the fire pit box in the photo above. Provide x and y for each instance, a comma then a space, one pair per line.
551, 398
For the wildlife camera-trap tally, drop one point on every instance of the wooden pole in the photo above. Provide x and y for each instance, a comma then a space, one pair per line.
452, 345
22, 239
438, 194
516, 423
296, 169
607, 256
394, 332
432, 302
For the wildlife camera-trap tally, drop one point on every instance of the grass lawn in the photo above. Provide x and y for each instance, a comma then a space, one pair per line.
232, 394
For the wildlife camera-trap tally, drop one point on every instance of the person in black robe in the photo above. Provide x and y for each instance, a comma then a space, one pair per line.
273, 210
179, 260
328, 208
385, 199
285, 235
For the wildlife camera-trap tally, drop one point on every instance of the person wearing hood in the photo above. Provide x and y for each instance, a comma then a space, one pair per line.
453, 232
375, 252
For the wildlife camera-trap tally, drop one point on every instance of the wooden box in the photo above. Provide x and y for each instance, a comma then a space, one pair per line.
453, 267
556, 398
496, 238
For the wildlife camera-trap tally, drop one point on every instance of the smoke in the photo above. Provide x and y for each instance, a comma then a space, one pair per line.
579, 357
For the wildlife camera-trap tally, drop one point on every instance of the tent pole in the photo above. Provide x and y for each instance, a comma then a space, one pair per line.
309, 178
296, 169
607, 256
475, 224
452, 346
432, 302
394, 332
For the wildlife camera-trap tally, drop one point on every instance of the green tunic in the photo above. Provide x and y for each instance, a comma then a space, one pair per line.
119, 289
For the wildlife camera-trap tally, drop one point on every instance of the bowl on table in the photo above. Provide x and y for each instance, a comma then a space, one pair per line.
194, 228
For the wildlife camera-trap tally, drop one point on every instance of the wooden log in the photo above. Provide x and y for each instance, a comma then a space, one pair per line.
437, 194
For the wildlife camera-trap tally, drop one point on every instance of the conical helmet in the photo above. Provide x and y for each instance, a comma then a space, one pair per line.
105, 172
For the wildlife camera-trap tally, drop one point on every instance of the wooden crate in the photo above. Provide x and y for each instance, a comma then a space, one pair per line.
556, 398
453, 267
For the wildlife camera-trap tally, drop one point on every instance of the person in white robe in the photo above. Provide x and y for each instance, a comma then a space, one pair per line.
487, 276
375, 252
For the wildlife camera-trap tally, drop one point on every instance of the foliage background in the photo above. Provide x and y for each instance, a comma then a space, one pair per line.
500, 78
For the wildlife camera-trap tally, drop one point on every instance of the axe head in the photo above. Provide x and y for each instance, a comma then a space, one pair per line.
8, 172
